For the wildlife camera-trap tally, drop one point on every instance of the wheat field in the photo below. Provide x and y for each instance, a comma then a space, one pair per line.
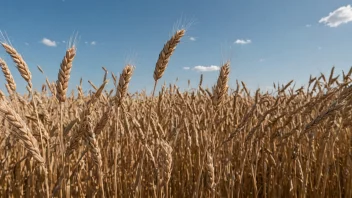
217, 142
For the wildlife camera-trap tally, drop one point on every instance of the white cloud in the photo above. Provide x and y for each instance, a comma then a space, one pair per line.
243, 42
206, 68
308, 25
192, 38
338, 16
186, 68
93, 43
26, 43
48, 42
63, 41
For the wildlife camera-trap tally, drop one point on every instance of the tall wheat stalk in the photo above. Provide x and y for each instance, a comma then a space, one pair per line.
61, 89
159, 70
27, 76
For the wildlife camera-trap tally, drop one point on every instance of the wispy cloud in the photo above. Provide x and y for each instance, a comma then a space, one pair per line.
261, 60
243, 42
48, 42
93, 43
63, 41
206, 68
308, 25
186, 68
319, 48
192, 38
26, 43
337, 17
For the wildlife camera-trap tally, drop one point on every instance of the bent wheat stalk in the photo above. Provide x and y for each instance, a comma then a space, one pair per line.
22, 132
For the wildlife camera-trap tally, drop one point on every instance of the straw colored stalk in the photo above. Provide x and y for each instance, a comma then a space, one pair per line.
98, 92
92, 84
8, 76
40, 69
20, 63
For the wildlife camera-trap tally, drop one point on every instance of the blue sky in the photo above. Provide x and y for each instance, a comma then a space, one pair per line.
266, 41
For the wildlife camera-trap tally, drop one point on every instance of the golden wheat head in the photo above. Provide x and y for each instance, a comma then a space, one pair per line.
64, 74
166, 53
20, 63
221, 86
8, 75
21, 131
124, 81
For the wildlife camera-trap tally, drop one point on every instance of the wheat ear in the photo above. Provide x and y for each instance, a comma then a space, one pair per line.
98, 93
64, 74
2, 96
221, 86
209, 168
103, 121
124, 81
20, 63
93, 147
200, 80
165, 162
165, 165
22, 132
92, 141
8, 75
166, 53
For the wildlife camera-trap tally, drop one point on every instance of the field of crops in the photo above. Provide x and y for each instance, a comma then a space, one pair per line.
217, 142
